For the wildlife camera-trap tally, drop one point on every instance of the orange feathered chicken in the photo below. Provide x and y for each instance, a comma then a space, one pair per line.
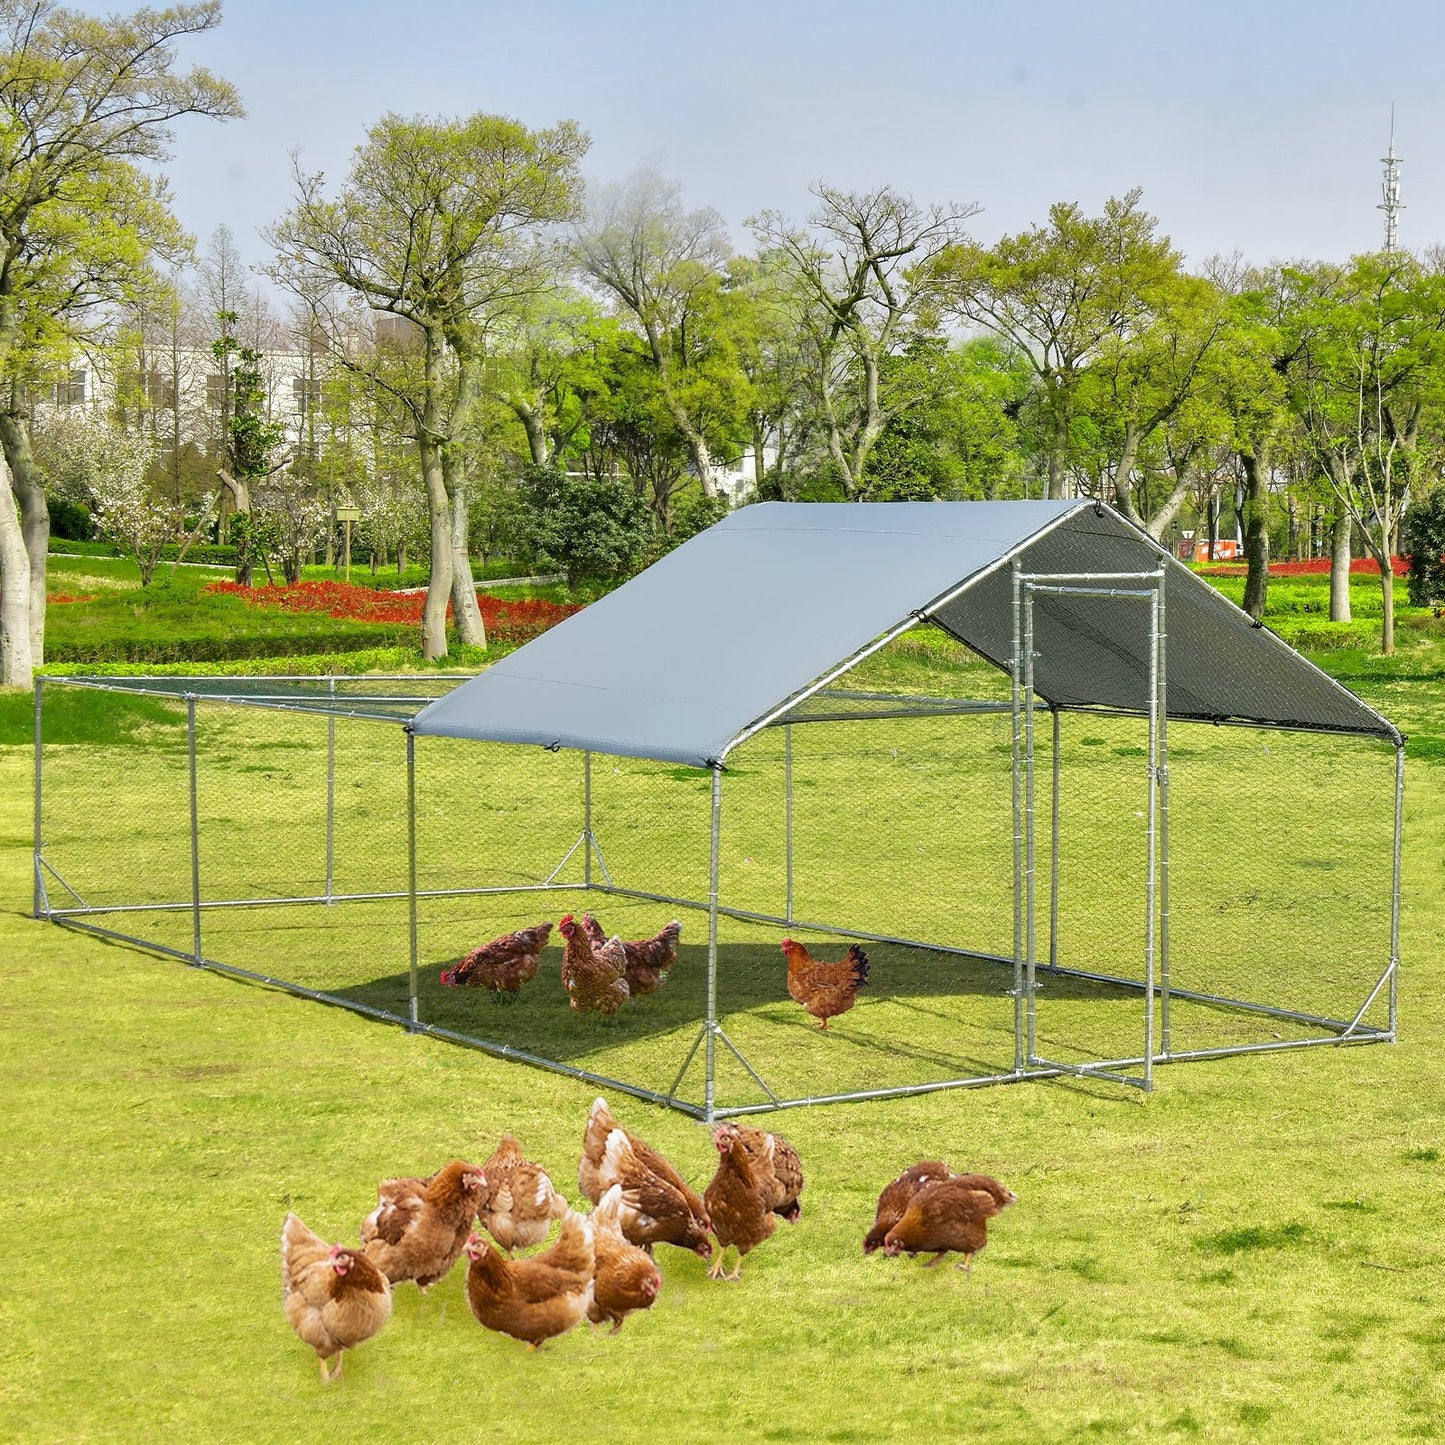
648, 959
334, 1298
594, 978
625, 1278
504, 964
897, 1196
778, 1161
518, 1205
657, 1205
825, 989
949, 1216
533, 1299
740, 1199
420, 1226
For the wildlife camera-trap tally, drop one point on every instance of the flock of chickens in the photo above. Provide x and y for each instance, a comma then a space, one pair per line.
600, 973
601, 1266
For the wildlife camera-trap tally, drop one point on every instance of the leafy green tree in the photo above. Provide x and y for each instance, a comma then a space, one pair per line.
663, 266
84, 98
438, 223
1423, 538
591, 528
1059, 294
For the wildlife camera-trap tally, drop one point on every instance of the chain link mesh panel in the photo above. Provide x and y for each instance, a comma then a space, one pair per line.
897, 826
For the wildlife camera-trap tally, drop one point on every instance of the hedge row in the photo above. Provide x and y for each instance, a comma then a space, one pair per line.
215, 556
151, 650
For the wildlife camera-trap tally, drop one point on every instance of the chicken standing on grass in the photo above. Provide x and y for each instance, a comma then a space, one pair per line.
334, 1298
648, 959
504, 964
624, 1278
420, 1227
897, 1196
519, 1203
949, 1215
778, 1160
657, 1205
740, 1200
594, 978
825, 989
533, 1299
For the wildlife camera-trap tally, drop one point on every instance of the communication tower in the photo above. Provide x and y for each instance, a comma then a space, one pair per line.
1390, 190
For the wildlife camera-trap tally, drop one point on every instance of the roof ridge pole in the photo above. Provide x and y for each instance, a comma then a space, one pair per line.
1018, 990
709, 1095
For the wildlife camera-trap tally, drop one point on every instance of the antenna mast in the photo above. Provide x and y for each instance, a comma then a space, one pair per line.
1390, 190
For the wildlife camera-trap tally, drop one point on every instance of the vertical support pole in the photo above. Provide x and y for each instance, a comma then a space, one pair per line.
1016, 673
788, 816
587, 819
411, 865
1163, 776
331, 793
195, 833
1030, 831
709, 1097
1151, 871
1054, 854
39, 909
1395, 885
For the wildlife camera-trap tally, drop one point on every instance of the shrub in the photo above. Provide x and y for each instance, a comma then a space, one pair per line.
1424, 540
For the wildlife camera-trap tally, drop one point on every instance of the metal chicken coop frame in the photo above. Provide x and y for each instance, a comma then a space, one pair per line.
1059, 620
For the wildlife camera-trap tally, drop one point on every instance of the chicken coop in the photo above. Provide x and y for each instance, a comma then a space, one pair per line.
1084, 817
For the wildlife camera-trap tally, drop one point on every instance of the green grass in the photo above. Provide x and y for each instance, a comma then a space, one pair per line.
1249, 1254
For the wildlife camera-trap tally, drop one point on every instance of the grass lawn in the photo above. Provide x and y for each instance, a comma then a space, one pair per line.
1250, 1253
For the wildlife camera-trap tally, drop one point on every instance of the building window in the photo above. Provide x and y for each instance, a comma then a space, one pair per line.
307, 392
71, 390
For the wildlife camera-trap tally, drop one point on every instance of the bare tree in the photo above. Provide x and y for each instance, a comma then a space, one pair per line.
861, 273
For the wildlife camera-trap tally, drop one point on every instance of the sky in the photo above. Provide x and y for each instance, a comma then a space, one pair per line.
1252, 127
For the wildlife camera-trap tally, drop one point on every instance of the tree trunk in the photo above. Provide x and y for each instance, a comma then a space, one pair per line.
239, 494
1163, 519
29, 484
1124, 476
1340, 569
531, 419
439, 583
17, 667
1256, 531
1058, 447
1387, 586
466, 614
1214, 525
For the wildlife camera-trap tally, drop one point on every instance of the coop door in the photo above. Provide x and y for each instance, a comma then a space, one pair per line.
1092, 814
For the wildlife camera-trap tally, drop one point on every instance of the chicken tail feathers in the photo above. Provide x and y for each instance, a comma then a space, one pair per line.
859, 960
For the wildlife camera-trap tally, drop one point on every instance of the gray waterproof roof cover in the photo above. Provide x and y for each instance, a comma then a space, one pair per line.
754, 613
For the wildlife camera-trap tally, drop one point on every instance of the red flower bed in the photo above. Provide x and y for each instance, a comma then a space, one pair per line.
1314, 567
513, 621
69, 597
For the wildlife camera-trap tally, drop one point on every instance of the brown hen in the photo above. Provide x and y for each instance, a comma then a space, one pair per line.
519, 1203
775, 1158
739, 1200
420, 1226
897, 1196
594, 978
625, 1278
949, 1216
504, 964
825, 989
648, 959
334, 1298
533, 1299
658, 1206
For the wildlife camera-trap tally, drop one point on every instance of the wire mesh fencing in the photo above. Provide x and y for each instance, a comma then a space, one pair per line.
338, 856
